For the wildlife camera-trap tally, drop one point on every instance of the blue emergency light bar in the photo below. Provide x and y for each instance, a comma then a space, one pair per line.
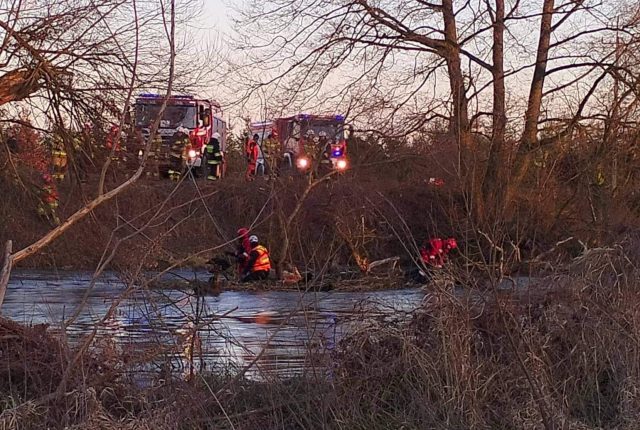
158, 96
306, 115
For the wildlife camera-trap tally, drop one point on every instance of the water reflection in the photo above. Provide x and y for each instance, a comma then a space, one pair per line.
283, 333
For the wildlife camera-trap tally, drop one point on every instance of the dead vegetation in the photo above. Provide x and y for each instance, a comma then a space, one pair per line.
560, 354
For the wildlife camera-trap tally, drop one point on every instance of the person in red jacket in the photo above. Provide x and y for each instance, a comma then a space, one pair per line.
435, 253
252, 152
242, 251
115, 138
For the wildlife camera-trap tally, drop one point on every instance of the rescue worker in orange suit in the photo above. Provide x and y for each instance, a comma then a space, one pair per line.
48, 200
247, 144
259, 265
252, 152
242, 251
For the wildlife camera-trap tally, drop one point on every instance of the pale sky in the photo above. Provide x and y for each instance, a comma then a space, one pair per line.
216, 15
215, 23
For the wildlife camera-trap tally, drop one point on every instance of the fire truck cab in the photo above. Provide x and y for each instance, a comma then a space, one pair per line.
201, 117
292, 132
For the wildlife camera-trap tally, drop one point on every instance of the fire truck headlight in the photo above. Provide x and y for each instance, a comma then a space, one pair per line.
302, 162
192, 153
342, 164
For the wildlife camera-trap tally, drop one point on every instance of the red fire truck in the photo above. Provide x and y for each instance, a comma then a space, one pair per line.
292, 132
201, 117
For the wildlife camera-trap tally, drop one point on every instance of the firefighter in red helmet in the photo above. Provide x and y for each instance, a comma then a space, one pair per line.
243, 248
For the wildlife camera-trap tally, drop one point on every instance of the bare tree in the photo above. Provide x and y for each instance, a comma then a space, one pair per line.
168, 15
396, 66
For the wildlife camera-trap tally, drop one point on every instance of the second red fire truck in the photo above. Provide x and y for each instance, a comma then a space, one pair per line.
294, 132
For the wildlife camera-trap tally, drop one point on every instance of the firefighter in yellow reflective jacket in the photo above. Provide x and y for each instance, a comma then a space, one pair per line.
599, 179
58, 158
153, 162
540, 158
259, 265
272, 152
214, 158
48, 200
177, 153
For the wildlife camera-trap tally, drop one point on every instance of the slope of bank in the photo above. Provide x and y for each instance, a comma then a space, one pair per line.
356, 217
159, 222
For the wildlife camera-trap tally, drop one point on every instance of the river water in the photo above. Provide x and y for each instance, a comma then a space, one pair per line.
269, 333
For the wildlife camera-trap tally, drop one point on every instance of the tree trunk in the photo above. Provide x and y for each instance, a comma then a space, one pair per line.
493, 185
530, 134
459, 126
529, 139
460, 120
5, 271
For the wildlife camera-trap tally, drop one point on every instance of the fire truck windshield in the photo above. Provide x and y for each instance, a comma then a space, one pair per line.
174, 116
334, 130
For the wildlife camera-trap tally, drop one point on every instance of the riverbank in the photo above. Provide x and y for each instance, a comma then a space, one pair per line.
348, 221
562, 355
156, 224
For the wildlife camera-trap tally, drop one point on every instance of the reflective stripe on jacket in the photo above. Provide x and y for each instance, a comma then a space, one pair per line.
262, 262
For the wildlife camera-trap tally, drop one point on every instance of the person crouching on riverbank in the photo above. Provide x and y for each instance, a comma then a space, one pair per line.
242, 251
259, 265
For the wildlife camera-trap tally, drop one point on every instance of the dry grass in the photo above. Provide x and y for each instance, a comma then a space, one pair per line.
563, 355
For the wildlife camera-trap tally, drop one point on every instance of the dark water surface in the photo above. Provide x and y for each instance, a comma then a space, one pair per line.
279, 332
